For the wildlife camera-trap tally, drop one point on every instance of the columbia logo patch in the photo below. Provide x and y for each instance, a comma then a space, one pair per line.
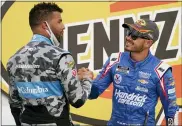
27, 66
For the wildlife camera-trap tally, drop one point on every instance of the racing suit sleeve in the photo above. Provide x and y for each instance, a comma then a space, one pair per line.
167, 94
75, 90
14, 100
102, 81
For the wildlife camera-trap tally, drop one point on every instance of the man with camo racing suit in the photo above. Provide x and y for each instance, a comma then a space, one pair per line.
43, 77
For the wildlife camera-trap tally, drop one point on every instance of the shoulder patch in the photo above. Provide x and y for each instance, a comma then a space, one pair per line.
161, 68
115, 57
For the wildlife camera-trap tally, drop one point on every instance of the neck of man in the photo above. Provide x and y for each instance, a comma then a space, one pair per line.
139, 56
41, 32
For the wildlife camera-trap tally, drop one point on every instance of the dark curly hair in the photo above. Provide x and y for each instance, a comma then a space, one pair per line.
41, 12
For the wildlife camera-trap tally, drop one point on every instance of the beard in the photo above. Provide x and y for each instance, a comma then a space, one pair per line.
59, 38
134, 48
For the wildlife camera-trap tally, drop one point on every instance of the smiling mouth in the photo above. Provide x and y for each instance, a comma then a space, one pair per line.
129, 43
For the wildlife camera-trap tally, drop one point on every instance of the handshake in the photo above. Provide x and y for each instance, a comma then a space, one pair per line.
84, 73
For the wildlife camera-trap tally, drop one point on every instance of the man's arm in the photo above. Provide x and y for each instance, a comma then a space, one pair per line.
14, 100
102, 81
167, 94
76, 91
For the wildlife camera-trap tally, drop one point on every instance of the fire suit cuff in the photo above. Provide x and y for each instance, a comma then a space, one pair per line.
87, 79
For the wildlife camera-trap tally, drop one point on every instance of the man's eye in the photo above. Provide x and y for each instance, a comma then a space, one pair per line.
134, 37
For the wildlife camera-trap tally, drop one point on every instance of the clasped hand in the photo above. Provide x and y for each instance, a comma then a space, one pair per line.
84, 73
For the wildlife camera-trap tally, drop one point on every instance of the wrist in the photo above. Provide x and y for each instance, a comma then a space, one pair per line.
86, 79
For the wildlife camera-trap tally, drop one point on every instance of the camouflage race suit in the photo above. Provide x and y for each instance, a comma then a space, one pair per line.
43, 82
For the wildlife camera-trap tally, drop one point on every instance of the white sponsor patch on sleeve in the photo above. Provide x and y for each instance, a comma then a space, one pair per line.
161, 69
171, 91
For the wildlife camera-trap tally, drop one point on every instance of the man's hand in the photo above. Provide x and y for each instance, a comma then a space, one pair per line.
84, 73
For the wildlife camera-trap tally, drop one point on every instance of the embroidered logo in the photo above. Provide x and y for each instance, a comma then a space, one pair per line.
144, 75
70, 64
130, 98
142, 89
122, 69
143, 81
117, 78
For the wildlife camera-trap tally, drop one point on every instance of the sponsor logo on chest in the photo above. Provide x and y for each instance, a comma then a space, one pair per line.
142, 89
117, 78
122, 69
143, 81
144, 75
130, 98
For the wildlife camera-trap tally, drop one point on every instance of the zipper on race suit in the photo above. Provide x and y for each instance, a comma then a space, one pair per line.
146, 118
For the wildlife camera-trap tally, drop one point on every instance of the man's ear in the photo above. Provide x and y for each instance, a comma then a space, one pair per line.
148, 43
44, 25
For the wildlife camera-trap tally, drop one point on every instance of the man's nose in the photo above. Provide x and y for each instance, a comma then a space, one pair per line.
128, 37
63, 26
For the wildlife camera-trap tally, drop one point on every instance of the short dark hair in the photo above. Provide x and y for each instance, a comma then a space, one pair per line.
41, 11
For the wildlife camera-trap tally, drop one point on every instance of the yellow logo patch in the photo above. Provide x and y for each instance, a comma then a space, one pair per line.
70, 64
143, 81
141, 22
172, 83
